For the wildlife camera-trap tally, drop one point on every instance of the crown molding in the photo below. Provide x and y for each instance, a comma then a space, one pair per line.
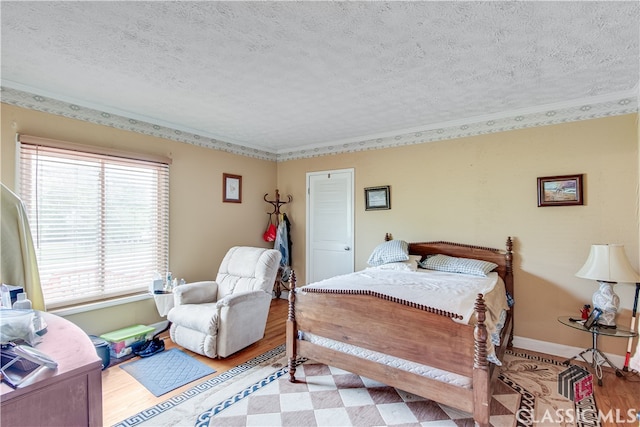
551, 114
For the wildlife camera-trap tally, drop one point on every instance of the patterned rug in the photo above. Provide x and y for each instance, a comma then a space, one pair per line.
525, 395
184, 408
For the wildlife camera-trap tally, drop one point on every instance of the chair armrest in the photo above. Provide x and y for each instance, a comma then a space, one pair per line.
241, 297
195, 293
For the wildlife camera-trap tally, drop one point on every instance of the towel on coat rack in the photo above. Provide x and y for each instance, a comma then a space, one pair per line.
289, 243
281, 243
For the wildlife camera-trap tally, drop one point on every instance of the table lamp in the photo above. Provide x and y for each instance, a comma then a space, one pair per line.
608, 264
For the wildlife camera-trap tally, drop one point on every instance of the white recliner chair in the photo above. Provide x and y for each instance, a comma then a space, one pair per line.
216, 319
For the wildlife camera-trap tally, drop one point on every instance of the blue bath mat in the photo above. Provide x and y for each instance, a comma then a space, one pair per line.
166, 371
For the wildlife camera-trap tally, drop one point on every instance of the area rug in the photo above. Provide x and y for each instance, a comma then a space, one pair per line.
525, 395
184, 408
166, 371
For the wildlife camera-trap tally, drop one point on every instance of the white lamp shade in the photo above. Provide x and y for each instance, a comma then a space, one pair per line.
608, 263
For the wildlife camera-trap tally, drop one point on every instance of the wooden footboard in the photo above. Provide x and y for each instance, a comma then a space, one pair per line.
407, 332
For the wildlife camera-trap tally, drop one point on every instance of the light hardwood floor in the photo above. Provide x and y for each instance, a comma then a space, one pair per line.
123, 396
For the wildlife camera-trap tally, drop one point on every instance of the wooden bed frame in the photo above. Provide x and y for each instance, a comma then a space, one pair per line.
416, 333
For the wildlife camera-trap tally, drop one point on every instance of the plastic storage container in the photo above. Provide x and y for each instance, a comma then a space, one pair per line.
122, 341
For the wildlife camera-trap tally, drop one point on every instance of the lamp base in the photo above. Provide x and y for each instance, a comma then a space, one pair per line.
606, 300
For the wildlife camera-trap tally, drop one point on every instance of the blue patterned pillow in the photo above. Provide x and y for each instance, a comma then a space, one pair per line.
450, 264
391, 251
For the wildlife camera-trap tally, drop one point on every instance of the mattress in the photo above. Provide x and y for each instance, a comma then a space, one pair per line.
395, 362
453, 293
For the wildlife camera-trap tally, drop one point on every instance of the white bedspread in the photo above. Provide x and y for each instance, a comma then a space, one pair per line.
451, 292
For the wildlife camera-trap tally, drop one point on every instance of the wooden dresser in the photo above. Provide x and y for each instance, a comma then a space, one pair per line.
70, 395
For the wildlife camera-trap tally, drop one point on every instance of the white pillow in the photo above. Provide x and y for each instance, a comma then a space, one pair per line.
391, 251
451, 264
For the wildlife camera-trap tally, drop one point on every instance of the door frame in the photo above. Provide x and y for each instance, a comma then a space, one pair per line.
351, 172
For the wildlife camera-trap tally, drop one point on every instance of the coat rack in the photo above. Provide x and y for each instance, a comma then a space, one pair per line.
279, 283
277, 203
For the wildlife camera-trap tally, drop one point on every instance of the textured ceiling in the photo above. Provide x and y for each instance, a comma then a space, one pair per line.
278, 78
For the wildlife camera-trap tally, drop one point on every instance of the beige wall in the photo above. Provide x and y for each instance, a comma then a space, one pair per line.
202, 228
476, 190
480, 190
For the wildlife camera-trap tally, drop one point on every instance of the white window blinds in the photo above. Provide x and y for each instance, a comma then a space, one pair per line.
100, 220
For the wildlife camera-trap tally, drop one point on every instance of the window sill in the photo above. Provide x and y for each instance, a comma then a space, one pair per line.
82, 308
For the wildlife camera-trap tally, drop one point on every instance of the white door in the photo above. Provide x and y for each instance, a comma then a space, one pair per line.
330, 224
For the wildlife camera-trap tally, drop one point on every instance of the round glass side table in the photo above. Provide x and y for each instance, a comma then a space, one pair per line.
598, 358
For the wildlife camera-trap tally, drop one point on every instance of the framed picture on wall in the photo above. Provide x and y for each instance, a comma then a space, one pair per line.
377, 198
564, 190
231, 188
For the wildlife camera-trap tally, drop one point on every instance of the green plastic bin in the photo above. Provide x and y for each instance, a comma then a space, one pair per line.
120, 341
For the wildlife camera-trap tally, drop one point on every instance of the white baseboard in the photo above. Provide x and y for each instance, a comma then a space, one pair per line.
559, 349
160, 326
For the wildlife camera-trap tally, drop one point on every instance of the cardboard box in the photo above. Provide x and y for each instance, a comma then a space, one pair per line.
122, 341
10, 294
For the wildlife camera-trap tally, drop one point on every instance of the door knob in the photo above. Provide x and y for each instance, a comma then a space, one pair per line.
347, 248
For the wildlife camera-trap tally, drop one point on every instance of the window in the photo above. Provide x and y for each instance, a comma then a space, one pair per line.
99, 219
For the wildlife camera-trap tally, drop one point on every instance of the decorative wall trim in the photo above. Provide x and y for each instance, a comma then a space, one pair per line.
73, 111
585, 109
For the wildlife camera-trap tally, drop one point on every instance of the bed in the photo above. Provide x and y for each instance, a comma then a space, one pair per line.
383, 329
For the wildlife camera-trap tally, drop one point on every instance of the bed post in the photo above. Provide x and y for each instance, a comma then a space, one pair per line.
509, 283
292, 329
481, 379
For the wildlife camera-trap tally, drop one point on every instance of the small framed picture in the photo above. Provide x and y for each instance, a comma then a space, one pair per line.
377, 198
565, 190
231, 188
